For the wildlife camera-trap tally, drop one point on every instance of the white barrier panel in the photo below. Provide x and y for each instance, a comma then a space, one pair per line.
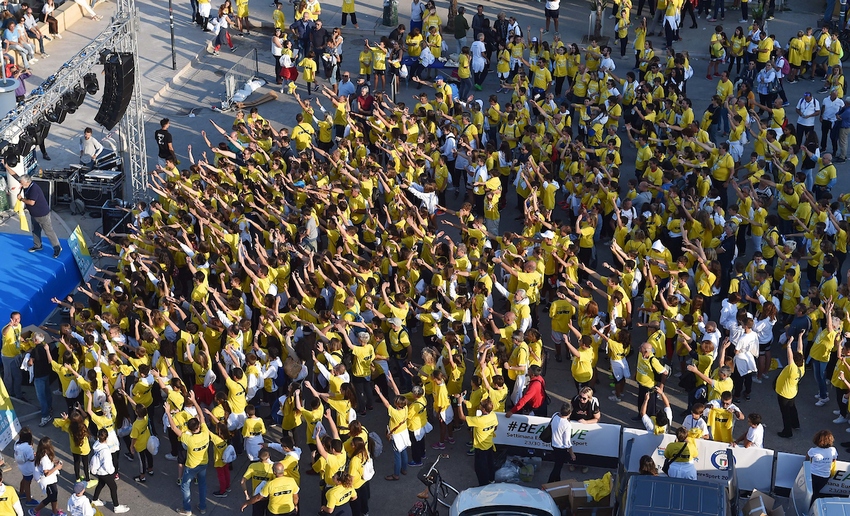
839, 484
629, 434
648, 444
754, 466
524, 431
787, 466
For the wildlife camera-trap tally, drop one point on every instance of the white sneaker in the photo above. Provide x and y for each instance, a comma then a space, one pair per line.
847, 430
840, 419
821, 402
97, 503
756, 380
168, 456
817, 396
614, 398
119, 509
836, 412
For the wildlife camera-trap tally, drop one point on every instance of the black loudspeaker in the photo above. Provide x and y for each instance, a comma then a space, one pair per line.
120, 70
114, 219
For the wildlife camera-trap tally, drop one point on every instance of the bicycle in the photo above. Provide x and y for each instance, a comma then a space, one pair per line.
437, 492
843, 35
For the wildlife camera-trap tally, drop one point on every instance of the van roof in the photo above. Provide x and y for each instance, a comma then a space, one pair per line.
664, 496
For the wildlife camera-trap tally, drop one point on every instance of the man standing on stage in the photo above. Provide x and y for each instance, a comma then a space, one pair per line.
90, 149
35, 202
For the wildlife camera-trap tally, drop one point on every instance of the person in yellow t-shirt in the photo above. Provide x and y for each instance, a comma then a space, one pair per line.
483, 428
10, 503
787, 385
11, 352
308, 63
279, 493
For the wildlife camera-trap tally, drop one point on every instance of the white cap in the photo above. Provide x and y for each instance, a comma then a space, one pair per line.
548, 234
658, 246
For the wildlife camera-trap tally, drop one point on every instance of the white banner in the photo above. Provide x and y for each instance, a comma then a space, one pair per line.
524, 431
787, 466
9, 423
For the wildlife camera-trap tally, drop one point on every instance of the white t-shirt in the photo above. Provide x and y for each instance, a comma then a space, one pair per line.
25, 458
562, 430
553, 5
821, 459
46, 465
756, 436
807, 108
690, 423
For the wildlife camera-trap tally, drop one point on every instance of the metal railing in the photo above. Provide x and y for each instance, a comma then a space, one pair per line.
246, 69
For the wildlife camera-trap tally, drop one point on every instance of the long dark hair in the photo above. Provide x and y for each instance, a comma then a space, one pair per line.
45, 449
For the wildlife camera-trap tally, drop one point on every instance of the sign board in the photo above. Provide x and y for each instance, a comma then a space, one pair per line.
524, 432
9, 424
787, 466
80, 250
839, 483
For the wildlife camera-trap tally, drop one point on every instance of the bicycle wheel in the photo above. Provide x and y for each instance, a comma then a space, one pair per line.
446, 494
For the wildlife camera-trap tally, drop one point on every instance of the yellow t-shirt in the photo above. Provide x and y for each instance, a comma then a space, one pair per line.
789, 380
483, 430
280, 493
197, 446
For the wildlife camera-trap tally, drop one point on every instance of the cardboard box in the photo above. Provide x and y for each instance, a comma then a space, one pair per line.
594, 511
761, 504
579, 498
559, 491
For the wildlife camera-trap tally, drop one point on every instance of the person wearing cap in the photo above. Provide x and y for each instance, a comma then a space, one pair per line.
439, 85
78, 503
808, 110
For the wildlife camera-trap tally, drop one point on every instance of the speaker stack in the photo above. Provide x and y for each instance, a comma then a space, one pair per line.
120, 71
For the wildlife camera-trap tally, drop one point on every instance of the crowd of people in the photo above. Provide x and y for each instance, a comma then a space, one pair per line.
315, 272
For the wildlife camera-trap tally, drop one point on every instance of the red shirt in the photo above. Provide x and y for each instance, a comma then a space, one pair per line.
533, 397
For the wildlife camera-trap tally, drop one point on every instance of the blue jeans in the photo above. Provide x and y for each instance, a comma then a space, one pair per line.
399, 461
12, 375
199, 472
45, 397
820, 377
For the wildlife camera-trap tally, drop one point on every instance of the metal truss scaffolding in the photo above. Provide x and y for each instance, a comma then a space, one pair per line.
121, 36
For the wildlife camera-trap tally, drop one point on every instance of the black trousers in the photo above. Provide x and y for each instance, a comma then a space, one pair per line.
560, 456
788, 410
363, 389
643, 392
485, 466
109, 481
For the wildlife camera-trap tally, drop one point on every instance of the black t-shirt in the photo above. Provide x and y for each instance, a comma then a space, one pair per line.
40, 363
163, 139
584, 409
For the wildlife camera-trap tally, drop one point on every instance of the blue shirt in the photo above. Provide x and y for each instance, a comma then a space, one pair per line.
845, 117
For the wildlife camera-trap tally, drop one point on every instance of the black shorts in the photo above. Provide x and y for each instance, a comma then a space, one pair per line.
552, 13
379, 72
796, 67
52, 494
